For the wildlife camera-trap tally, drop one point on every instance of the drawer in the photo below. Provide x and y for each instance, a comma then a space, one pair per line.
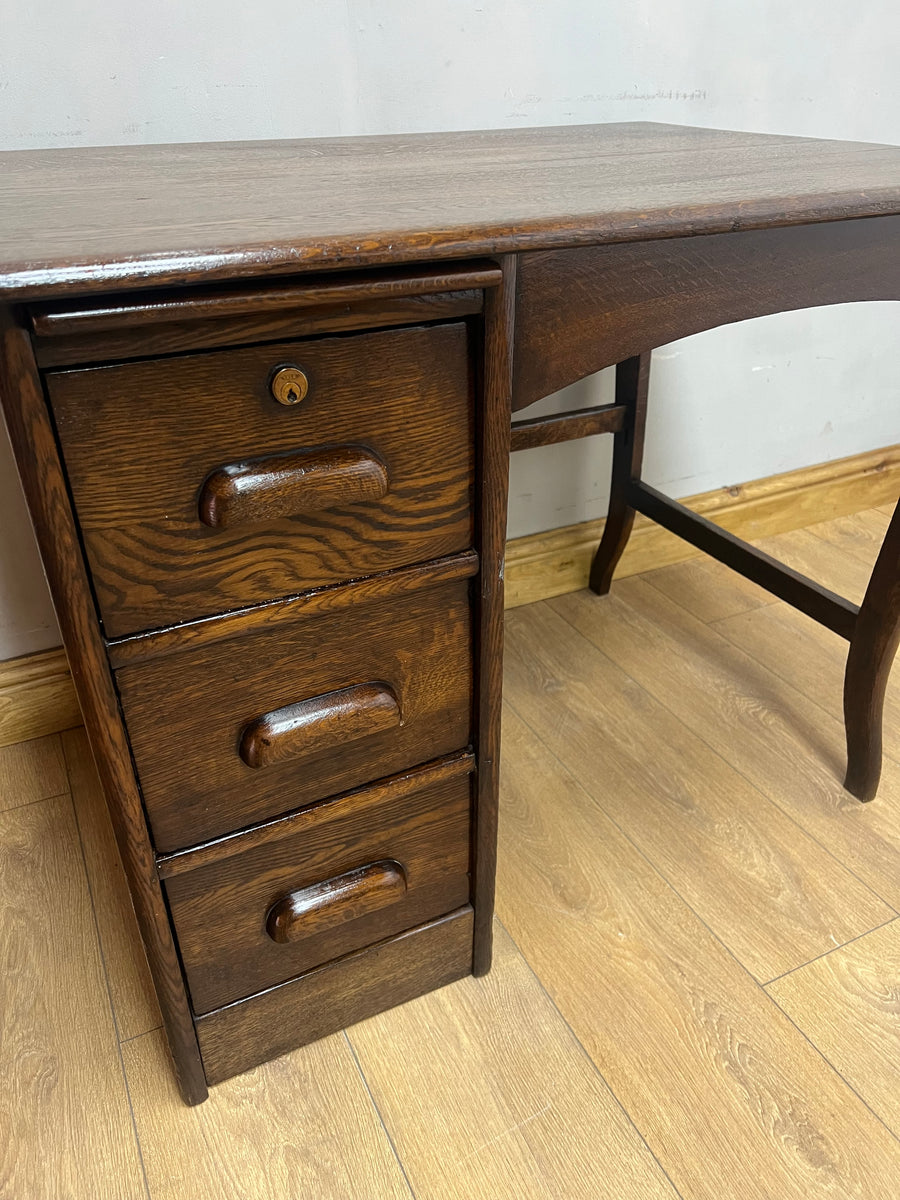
316, 885
241, 1035
254, 726
198, 492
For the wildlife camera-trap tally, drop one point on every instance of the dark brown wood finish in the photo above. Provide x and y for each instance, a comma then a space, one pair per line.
45, 488
262, 490
335, 901
789, 585
564, 427
493, 486
248, 1032
320, 723
140, 441
144, 341
873, 645
223, 912
256, 606
581, 310
187, 715
337, 598
632, 388
202, 304
97, 220
406, 783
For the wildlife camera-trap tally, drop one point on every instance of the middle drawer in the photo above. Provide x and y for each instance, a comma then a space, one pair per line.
252, 726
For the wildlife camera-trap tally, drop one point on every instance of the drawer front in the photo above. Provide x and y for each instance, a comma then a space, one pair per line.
344, 874
239, 1036
198, 491
249, 728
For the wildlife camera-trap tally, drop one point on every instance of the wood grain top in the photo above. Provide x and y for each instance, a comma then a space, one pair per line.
87, 220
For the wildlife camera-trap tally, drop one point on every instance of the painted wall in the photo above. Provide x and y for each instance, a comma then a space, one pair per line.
727, 406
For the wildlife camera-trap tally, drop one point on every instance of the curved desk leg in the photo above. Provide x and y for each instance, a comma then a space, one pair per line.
872, 648
632, 384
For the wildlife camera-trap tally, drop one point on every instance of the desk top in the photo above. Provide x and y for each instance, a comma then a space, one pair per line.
84, 220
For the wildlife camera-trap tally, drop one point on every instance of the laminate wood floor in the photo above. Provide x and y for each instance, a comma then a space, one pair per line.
696, 988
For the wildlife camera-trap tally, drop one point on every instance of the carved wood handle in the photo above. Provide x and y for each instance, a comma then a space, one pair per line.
320, 722
263, 489
334, 901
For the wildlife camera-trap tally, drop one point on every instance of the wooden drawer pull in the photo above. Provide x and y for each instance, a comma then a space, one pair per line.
283, 485
319, 723
323, 905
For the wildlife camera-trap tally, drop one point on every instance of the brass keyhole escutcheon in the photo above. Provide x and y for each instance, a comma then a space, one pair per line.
289, 384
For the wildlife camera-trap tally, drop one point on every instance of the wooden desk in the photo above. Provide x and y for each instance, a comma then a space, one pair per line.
260, 398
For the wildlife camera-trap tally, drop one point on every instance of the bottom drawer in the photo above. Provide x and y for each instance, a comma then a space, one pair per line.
252, 1031
306, 889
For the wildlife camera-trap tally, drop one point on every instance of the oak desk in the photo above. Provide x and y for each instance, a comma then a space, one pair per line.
260, 398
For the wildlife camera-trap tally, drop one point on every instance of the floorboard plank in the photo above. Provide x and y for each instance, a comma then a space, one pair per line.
31, 771
709, 589
488, 1096
789, 749
66, 1131
730, 1096
301, 1126
767, 889
809, 657
134, 1001
848, 1004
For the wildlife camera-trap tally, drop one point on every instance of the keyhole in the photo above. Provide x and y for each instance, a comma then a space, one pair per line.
289, 384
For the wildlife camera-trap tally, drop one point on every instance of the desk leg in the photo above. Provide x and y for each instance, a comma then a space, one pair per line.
873, 645
632, 385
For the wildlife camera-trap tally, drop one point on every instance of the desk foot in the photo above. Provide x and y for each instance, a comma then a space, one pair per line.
632, 386
873, 645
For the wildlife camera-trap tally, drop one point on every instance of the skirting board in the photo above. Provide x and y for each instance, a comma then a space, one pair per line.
551, 564
36, 694
36, 697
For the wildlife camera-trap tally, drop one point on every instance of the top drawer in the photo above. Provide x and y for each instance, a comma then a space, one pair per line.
198, 492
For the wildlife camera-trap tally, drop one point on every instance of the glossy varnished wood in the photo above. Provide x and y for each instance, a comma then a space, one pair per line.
139, 441
180, 305
876, 635
729, 226
632, 391
224, 913
563, 427
45, 489
333, 599
320, 723
179, 337
584, 309
195, 783
99, 219
493, 487
259, 491
405, 783
252, 1031
335, 901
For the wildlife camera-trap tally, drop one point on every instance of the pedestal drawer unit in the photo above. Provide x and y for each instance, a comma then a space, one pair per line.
257, 509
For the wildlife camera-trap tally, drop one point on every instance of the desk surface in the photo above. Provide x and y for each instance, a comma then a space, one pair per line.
124, 217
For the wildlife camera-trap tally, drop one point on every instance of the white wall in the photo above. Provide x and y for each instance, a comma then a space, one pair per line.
727, 406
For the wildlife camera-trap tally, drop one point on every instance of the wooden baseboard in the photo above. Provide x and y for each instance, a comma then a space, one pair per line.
36, 697
551, 564
36, 693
